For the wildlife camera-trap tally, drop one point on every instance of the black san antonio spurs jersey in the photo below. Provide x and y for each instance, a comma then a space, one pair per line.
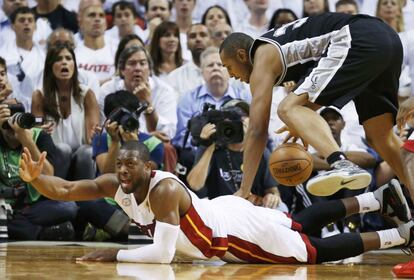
303, 42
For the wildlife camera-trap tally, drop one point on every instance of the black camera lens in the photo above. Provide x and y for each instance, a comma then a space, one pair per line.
24, 120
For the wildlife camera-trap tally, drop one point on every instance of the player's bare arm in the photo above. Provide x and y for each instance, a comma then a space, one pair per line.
59, 189
266, 69
167, 201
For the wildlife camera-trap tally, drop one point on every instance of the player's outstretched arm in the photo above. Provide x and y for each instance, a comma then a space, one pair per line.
266, 69
166, 199
59, 189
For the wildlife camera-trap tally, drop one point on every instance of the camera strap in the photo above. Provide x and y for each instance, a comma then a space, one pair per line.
230, 165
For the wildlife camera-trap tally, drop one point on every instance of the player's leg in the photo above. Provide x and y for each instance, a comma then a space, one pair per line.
380, 135
342, 246
389, 200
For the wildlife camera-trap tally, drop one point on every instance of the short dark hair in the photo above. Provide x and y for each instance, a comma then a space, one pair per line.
146, 5
122, 6
346, 2
21, 10
120, 98
133, 145
226, 15
3, 62
235, 41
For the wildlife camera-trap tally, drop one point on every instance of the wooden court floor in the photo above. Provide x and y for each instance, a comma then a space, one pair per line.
35, 260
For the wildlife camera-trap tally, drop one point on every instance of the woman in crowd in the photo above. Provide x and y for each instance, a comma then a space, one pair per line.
281, 17
165, 49
71, 110
215, 15
390, 11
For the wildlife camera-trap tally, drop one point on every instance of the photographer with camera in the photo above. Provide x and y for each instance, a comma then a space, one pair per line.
216, 91
34, 216
122, 111
218, 167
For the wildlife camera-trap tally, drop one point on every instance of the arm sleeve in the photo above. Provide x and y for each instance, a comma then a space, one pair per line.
45, 144
161, 251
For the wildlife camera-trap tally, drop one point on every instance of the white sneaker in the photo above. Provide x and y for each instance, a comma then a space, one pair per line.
345, 174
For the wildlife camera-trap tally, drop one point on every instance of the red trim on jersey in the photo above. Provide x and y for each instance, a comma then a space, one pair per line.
312, 253
295, 225
252, 253
201, 236
409, 145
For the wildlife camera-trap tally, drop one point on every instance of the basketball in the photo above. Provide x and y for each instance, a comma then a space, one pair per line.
290, 164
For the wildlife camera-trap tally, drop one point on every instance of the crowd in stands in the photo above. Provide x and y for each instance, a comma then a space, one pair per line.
75, 63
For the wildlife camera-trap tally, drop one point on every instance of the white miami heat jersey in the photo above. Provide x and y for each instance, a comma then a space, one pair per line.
228, 227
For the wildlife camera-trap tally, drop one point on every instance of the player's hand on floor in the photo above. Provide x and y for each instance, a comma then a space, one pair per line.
291, 135
107, 255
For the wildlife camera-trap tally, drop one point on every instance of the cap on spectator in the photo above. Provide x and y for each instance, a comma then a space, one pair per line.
331, 109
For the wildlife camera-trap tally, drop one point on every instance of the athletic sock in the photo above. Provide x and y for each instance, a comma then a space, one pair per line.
390, 238
367, 202
335, 156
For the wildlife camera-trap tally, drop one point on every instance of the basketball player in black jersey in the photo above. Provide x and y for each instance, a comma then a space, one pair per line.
333, 58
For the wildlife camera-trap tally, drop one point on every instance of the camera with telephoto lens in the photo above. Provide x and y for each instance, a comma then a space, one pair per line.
18, 115
229, 126
129, 120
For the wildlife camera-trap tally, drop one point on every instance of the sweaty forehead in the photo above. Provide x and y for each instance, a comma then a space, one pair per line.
128, 154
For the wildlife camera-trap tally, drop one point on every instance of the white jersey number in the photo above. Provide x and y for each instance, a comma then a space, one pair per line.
297, 23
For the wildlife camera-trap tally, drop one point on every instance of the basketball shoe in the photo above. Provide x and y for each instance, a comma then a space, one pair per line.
394, 206
344, 174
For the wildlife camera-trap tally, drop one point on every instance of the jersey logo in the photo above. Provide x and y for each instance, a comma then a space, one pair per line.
297, 23
126, 201
314, 81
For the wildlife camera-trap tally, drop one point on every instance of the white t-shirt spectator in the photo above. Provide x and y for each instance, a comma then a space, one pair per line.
99, 62
185, 78
112, 35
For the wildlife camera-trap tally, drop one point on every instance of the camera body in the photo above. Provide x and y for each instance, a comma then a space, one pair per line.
129, 120
229, 126
23, 119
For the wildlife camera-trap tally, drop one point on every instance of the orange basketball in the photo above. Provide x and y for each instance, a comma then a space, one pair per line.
290, 164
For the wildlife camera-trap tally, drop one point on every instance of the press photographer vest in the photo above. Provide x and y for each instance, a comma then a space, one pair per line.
9, 170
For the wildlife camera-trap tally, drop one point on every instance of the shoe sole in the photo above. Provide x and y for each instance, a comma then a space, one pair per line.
326, 186
397, 192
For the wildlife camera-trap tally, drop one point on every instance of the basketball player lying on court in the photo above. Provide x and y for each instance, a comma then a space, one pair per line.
229, 228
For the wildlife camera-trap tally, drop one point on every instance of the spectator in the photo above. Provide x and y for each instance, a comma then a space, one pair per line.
165, 49
281, 17
216, 91
7, 34
188, 76
315, 7
134, 69
156, 11
256, 23
220, 32
24, 57
390, 11
184, 10
126, 42
218, 167
61, 36
93, 53
347, 7
215, 15
34, 216
71, 110
56, 14
124, 17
